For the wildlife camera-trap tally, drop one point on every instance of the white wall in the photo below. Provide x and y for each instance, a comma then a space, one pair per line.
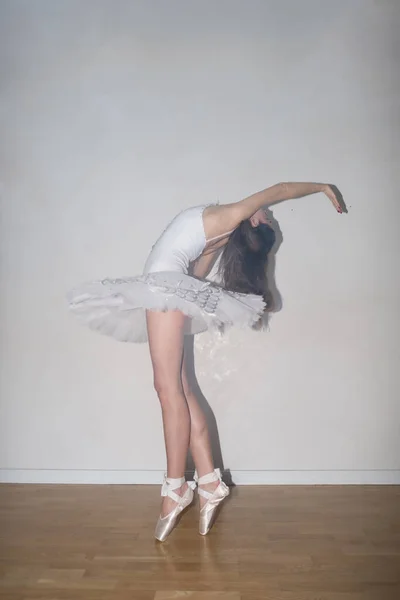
117, 114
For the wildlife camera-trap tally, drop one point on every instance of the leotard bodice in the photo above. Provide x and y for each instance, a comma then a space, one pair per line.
181, 243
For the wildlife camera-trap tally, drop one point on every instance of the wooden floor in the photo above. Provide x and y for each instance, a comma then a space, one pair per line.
270, 542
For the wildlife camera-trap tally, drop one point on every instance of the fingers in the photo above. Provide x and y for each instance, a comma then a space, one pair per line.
336, 203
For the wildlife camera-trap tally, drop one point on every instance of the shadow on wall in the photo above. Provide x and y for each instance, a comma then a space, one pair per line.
275, 297
275, 303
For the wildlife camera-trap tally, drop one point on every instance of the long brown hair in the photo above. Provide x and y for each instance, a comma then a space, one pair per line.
243, 263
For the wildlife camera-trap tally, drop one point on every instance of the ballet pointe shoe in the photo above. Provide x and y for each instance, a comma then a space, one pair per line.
214, 499
166, 524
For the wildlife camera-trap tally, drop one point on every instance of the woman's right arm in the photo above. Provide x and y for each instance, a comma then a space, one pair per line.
279, 193
231, 215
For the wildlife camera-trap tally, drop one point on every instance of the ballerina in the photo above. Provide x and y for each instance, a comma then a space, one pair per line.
171, 299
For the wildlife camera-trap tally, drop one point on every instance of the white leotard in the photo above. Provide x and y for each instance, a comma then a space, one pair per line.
181, 243
117, 307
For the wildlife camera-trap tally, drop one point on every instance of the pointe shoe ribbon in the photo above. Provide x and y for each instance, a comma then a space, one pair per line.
170, 484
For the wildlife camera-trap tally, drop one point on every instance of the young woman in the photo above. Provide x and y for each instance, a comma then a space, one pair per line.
171, 299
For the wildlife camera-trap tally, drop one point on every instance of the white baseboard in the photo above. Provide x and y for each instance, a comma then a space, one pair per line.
304, 477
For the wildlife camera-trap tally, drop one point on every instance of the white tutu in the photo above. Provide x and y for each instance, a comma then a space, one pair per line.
117, 307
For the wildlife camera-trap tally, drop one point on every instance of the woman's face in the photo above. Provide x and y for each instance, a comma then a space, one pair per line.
260, 217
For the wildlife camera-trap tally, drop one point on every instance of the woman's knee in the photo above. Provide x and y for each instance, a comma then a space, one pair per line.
169, 392
198, 425
197, 417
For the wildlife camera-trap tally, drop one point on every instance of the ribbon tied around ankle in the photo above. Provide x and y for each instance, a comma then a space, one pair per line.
171, 484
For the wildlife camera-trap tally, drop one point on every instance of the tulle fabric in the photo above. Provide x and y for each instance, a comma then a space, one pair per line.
117, 307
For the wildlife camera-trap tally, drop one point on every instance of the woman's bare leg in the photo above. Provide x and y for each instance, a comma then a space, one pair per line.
165, 332
200, 445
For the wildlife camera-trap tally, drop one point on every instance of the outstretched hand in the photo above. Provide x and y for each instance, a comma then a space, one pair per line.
335, 197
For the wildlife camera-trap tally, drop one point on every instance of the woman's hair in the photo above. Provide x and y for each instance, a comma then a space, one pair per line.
243, 262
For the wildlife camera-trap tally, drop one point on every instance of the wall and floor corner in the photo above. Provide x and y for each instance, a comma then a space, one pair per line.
116, 115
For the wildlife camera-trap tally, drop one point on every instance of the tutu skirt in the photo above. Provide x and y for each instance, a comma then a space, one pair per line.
117, 307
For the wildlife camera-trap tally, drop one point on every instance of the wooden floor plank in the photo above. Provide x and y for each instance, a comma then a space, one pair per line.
270, 542
187, 595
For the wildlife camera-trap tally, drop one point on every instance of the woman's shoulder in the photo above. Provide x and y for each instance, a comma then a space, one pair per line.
220, 220
198, 208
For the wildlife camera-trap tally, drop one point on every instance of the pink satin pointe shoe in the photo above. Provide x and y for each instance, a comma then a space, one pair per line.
166, 524
214, 499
